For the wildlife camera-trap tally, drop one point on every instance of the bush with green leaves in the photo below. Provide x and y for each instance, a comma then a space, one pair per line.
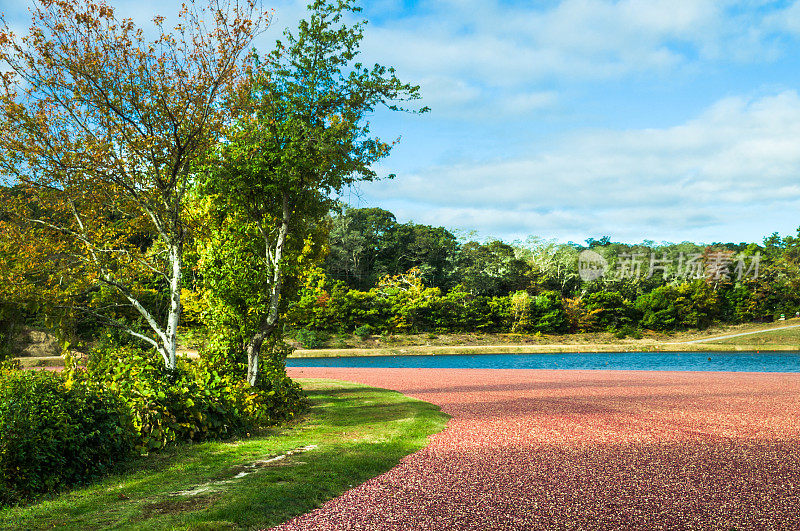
363, 332
278, 399
627, 331
56, 432
688, 305
309, 338
194, 402
612, 310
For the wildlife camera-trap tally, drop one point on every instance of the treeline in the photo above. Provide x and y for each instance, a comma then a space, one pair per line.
383, 276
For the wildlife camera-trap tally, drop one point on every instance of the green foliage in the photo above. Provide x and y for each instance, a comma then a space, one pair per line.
10, 364
401, 303
613, 310
367, 244
56, 432
627, 331
464, 312
359, 432
671, 307
543, 313
549, 314
9, 324
491, 269
277, 397
521, 306
86, 85
363, 240
301, 135
309, 338
194, 402
363, 332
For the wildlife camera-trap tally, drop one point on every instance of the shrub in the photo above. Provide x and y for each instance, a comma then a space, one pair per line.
280, 397
308, 338
363, 332
613, 310
198, 401
628, 331
543, 313
689, 305
549, 314
55, 433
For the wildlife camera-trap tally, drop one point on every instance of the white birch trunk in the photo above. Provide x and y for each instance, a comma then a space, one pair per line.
268, 323
170, 346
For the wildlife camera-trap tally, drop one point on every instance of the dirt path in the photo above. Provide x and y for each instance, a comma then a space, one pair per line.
532, 449
717, 338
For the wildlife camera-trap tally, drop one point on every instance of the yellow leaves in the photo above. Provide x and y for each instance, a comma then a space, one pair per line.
520, 304
409, 281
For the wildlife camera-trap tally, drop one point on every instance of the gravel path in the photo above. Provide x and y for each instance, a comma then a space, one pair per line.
585, 450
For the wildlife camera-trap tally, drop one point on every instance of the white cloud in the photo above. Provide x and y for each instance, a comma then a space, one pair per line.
447, 92
487, 54
733, 168
592, 39
530, 101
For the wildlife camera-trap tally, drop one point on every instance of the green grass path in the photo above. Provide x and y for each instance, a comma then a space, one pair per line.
359, 432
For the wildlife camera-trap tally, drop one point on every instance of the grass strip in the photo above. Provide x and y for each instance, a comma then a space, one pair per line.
358, 433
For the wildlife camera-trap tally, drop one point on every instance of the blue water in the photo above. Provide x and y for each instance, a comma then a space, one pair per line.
638, 361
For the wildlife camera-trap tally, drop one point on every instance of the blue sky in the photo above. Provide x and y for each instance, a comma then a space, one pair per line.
639, 119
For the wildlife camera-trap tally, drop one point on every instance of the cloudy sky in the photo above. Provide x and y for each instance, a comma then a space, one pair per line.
666, 120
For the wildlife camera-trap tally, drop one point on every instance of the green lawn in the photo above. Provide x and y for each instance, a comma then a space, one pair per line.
766, 340
359, 432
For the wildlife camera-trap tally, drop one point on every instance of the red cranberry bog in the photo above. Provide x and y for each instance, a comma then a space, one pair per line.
564, 449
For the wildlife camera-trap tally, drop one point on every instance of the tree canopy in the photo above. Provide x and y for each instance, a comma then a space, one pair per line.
101, 132
300, 136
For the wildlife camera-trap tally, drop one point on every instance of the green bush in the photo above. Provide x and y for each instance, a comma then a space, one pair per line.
688, 305
308, 338
56, 432
278, 397
363, 332
627, 331
195, 402
613, 310
549, 314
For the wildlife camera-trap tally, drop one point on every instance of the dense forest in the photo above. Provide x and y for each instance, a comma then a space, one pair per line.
380, 275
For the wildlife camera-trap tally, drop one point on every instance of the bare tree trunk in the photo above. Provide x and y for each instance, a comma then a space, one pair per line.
254, 351
269, 322
173, 317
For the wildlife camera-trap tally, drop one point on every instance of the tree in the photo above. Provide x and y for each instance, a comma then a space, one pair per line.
491, 269
367, 244
102, 130
432, 250
553, 265
357, 238
301, 136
